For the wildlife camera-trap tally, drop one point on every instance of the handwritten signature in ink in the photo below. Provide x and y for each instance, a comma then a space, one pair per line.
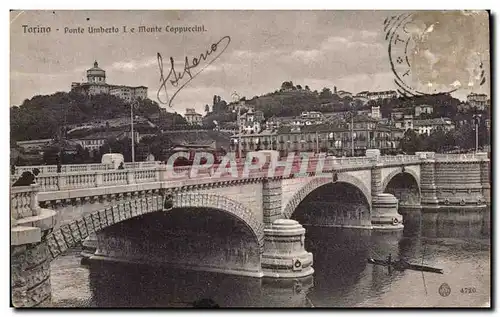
175, 77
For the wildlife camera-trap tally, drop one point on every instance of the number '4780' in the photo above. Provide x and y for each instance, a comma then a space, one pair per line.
468, 290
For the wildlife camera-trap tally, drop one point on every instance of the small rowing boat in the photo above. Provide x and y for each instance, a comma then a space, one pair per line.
402, 265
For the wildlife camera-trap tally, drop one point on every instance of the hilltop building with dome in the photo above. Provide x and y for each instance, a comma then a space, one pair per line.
96, 84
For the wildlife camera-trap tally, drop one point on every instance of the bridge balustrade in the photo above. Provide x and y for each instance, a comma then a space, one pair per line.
23, 202
70, 168
97, 175
459, 157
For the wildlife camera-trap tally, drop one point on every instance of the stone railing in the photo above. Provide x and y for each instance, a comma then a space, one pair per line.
23, 202
28, 219
78, 180
71, 168
465, 157
399, 159
350, 161
105, 178
30, 265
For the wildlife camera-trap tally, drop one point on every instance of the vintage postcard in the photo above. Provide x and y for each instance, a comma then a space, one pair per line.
229, 159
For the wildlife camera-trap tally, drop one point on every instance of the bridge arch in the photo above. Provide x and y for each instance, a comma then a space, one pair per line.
69, 235
410, 172
403, 184
319, 182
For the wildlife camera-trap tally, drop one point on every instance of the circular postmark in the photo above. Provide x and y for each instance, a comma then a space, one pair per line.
444, 290
438, 52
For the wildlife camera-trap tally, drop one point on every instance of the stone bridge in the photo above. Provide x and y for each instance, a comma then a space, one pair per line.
247, 225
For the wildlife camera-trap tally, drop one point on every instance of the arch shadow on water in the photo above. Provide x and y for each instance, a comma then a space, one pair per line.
336, 204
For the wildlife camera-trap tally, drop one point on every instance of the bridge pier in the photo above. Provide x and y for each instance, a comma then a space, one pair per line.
284, 253
272, 193
428, 188
30, 259
454, 182
485, 177
385, 214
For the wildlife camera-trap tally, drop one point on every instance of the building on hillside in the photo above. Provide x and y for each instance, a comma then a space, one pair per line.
375, 113
316, 115
397, 115
252, 116
381, 95
362, 94
251, 121
423, 109
405, 123
478, 101
233, 107
343, 94
95, 140
426, 126
337, 139
96, 84
274, 122
34, 145
192, 117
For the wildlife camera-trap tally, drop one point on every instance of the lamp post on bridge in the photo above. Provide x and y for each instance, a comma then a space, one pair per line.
236, 97
352, 128
132, 136
476, 124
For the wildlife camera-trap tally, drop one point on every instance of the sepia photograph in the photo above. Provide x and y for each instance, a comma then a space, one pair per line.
250, 159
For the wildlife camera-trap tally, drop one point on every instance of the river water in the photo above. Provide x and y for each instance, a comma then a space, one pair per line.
342, 277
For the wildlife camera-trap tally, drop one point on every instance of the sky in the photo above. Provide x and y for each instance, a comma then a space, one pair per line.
346, 49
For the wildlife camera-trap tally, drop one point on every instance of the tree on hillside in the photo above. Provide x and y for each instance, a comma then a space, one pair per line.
207, 108
287, 85
219, 105
307, 88
326, 93
436, 140
411, 142
299, 87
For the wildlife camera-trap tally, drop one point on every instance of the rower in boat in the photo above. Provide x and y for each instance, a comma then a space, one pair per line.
402, 265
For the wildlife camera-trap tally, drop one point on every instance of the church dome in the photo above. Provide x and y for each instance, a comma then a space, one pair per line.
96, 71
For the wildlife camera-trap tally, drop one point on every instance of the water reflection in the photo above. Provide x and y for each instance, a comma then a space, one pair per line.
342, 278
126, 285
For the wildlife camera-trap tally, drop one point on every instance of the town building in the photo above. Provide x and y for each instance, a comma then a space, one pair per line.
274, 122
375, 113
397, 115
426, 126
338, 138
192, 117
423, 109
478, 101
251, 121
96, 84
405, 123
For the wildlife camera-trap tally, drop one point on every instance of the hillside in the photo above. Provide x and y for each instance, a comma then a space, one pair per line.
43, 116
293, 102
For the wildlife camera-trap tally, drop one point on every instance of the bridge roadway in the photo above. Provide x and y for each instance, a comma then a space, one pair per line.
123, 209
